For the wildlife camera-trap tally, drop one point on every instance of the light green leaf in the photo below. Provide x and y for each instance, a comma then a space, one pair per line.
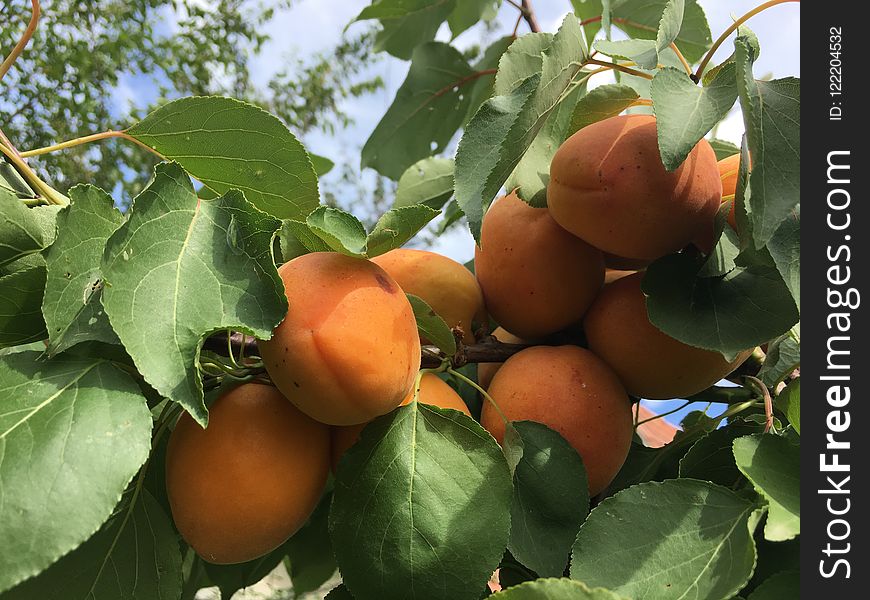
783, 357
71, 305
228, 144
12, 184
601, 103
73, 432
771, 112
723, 149
24, 230
685, 113
321, 164
22, 283
772, 464
468, 12
428, 181
297, 239
134, 555
427, 492
429, 107
406, 23
646, 52
746, 307
640, 19
585, 10
481, 88
397, 226
523, 58
505, 126
680, 538
181, 268
554, 589
431, 326
339, 230
550, 501
789, 402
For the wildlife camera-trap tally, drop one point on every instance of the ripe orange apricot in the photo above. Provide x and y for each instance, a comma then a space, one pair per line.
239, 488
572, 391
608, 186
486, 371
348, 349
433, 390
729, 171
447, 286
536, 277
650, 363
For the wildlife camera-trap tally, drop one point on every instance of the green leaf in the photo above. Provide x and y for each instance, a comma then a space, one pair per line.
723, 257
135, 554
777, 587
676, 539
233, 577
641, 19
728, 314
589, 9
551, 499
431, 326
71, 306
321, 164
772, 464
555, 589
23, 230
771, 112
228, 144
21, 288
783, 357
406, 23
429, 107
789, 402
339, 593
723, 149
785, 249
532, 174
339, 230
482, 87
397, 226
711, 458
685, 113
428, 182
601, 103
297, 239
426, 491
523, 58
505, 126
73, 432
181, 268
13, 184
312, 561
646, 52
468, 12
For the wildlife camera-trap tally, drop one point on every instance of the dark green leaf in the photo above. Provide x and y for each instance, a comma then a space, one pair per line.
426, 493
711, 458
321, 164
778, 587
134, 555
551, 499
21, 288
228, 144
73, 432
772, 464
172, 276
676, 539
23, 230
723, 149
310, 553
71, 306
789, 402
339, 593
406, 23
785, 250
783, 357
468, 12
431, 326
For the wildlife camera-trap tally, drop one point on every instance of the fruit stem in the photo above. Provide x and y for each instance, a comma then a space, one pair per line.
482, 391
768, 401
25, 39
77, 142
619, 67
664, 414
683, 60
758, 9
51, 195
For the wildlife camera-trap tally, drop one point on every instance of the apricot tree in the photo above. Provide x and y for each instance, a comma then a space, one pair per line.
177, 380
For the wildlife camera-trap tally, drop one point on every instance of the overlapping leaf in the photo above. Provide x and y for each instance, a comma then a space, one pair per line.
73, 432
406, 23
601, 103
555, 589
228, 144
23, 230
428, 181
181, 268
643, 51
431, 326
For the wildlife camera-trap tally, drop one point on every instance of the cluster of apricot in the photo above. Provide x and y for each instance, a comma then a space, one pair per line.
348, 349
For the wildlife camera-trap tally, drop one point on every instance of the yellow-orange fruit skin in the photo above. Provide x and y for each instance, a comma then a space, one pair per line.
608, 186
433, 390
239, 488
445, 285
572, 391
729, 172
612, 275
486, 371
650, 363
536, 277
348, 349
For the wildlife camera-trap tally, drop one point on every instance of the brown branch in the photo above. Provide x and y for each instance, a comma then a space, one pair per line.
529, 16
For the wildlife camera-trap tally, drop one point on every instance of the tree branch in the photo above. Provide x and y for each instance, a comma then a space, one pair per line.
529, 16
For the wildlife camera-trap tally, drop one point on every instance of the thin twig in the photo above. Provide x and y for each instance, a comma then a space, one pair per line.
529, 16
517, 25
683, 60
618, 67
22, 43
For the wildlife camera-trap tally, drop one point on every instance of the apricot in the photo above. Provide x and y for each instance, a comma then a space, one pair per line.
729, 173
608, 186
650, 363
348, 349
444, 284
572, 391
433, 390
536, 277
239, 488
486, 371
